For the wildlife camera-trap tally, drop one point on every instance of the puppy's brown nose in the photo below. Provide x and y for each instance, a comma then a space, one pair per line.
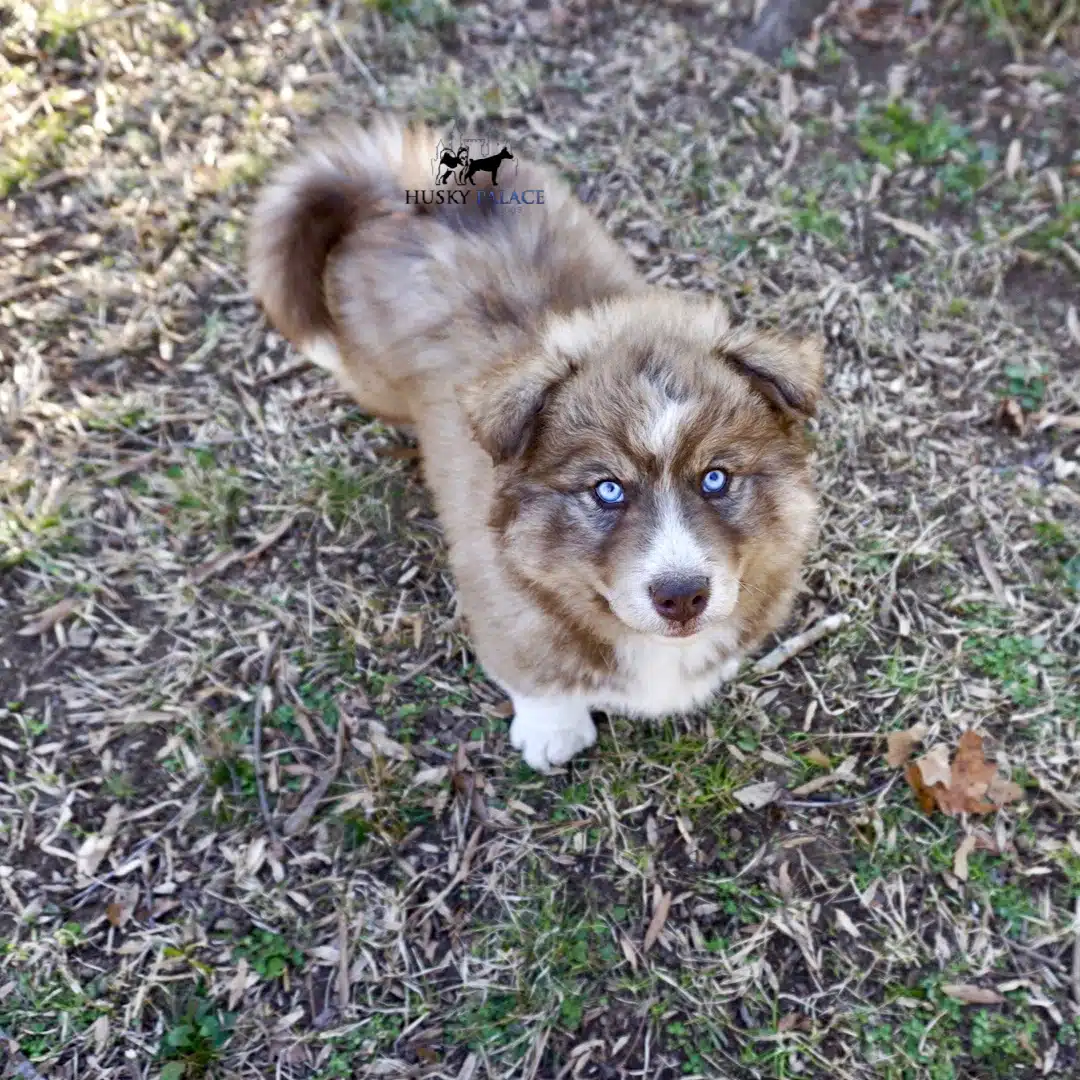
680, 599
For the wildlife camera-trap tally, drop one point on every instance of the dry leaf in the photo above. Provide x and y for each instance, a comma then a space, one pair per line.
927, 802
971, 995
1044, 421
816, 784
970, 785
1011, 415
902, 744
816, 757
660, 914
117, 914
96, 846
100, 1032
971, 778
755, 796
238, 984
1002, 791
47, 619
1013, 158
843, 920
1072, 324
960, 859
910, 228
934, 766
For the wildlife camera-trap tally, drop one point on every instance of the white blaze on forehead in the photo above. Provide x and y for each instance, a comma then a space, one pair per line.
673, 548
665, 422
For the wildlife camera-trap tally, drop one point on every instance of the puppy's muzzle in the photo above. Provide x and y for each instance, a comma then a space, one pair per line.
680, 598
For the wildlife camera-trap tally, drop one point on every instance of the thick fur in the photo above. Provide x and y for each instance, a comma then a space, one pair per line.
534, 363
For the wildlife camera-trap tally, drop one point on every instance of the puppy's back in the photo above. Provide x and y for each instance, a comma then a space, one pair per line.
343, 245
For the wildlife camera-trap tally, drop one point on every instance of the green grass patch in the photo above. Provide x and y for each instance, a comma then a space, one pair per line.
194, 1039
895, 135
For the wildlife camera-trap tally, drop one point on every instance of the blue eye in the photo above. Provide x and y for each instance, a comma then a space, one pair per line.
714, 482
609, 492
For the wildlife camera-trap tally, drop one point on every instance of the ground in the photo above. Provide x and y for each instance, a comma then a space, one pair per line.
258, 812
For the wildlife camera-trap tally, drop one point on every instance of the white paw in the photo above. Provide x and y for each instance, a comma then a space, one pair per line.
550, 731
730, 668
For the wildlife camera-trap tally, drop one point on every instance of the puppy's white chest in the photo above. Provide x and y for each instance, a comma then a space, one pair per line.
658, 678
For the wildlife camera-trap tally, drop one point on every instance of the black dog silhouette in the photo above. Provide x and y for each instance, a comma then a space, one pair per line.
450, 162
488, 165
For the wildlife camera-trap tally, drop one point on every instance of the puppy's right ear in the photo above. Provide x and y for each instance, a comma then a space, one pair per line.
504, 407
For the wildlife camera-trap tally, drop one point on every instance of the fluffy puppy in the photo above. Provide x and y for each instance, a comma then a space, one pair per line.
621, 474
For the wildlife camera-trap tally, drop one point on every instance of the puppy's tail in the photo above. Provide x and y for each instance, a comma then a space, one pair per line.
336, 183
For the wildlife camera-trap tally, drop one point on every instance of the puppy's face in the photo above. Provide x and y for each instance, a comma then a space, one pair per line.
652, 470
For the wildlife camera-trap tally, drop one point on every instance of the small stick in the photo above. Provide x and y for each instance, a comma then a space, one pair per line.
829, 804
797, 644
256, 738
1076, 956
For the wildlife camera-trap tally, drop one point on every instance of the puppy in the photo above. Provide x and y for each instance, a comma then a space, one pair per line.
621, 475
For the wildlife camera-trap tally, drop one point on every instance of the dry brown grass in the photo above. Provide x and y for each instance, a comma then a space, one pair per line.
197, 530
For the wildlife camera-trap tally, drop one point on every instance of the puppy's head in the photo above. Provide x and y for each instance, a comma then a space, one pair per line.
652, 469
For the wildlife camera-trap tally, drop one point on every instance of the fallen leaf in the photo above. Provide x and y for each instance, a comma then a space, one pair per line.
238, 984
910, 228
1002, 791
969, 785
1072, 324
47, 619
1045, 421
100, 1032
1011, 415
816, 757
117, 914
96, 846
934, 766
816, 784
960, 859
902, 744
971, 778
755, 796
1013, 158
971, 995
913, 775
843, 920
660, 914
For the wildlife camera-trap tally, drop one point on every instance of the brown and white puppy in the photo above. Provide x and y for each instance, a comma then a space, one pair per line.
621, 475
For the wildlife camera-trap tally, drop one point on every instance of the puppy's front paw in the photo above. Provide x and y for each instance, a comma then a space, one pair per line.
550, 731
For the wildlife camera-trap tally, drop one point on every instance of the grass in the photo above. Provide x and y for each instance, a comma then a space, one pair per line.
897, 134
414, 899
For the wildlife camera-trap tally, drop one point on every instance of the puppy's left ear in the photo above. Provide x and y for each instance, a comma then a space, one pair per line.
788, 371
504, 407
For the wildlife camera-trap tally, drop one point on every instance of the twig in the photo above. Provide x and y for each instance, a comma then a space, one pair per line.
797, 644
350, 54
23, 1069
829, 804
303, 814
256, 738
917, 47
1076, 956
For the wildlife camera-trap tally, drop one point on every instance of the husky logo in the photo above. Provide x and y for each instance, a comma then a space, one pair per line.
473, 172
463, 159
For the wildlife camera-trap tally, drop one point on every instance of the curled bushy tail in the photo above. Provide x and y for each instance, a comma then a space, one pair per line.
339, 180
